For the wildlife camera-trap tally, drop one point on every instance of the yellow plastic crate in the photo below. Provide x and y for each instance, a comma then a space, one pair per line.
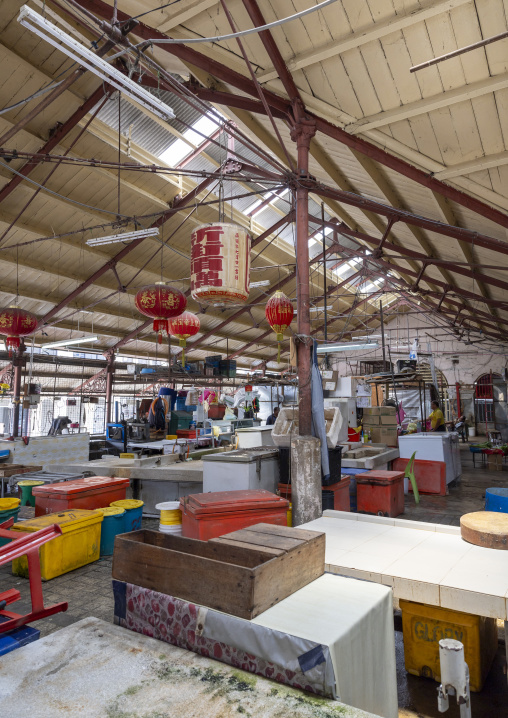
424, 626
78, 545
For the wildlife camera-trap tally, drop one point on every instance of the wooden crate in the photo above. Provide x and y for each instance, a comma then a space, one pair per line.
12, 469
242, 573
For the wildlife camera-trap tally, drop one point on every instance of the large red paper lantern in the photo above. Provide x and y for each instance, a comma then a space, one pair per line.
15, 323
220, 264
160, 302
279, 313
185, 326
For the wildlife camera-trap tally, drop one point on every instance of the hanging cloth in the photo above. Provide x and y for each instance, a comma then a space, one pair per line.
318, 413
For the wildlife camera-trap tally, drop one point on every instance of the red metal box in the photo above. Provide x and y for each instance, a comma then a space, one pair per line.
206, 516
92, 492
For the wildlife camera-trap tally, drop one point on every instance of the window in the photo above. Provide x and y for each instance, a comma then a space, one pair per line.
484, 388
484, 410
177, 151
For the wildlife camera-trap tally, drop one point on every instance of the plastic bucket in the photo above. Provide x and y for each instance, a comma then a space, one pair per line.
496, 499
133, 513
175, 530
25, 491
113, 523
9, 508
170, 513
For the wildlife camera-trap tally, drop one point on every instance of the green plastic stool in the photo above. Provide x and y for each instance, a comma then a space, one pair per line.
26, 486
409, 474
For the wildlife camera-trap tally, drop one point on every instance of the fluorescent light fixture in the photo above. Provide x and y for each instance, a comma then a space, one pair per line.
330, 348
83, 56
261, 283
125, 237
69, 342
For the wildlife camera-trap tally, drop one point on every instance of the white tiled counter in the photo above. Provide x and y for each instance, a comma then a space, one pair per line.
427, 563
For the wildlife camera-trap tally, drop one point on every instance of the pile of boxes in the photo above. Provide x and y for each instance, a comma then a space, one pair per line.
381, 422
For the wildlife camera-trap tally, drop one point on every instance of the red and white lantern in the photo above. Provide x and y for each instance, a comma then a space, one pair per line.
185, 326
279, 313
15, 323
160, 302
220, 264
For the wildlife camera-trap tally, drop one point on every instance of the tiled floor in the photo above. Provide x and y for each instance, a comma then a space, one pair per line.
88, 592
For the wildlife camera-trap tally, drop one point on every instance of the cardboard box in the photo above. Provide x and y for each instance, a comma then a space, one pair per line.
370, 420
495, 462
381, 411
383, 435
390, 420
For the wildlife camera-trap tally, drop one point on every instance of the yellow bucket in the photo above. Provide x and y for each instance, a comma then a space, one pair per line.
290, 515
127, 504
170, 437
170, 513
9, 504
111, 511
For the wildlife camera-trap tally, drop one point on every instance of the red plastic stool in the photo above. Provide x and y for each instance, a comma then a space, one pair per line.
27, 545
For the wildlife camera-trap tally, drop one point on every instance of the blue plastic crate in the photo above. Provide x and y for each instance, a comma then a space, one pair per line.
18, 637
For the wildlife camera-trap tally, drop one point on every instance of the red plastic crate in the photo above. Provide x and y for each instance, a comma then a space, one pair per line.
340, 493
92, 492
380, 492
430, 475
206, 516
187, 433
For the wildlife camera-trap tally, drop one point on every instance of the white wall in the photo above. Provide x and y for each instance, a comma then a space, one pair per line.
473, 360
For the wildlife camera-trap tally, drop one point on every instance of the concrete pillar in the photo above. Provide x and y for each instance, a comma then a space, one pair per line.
306, 479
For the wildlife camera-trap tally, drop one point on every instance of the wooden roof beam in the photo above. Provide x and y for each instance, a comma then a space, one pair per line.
194, 59
428, 104
355, 40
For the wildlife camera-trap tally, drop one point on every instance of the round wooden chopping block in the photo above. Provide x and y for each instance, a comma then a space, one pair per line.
485, 528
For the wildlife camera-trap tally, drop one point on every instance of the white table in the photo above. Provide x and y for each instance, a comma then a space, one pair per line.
422, 562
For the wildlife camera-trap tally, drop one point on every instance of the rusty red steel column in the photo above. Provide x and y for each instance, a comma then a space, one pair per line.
18, 362
302, 132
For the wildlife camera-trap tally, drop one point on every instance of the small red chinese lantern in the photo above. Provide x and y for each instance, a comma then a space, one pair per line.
279, 313
183, 327
160, 302
15, 323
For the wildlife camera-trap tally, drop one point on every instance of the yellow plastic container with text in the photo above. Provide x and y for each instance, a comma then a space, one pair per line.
424, 626
78, 545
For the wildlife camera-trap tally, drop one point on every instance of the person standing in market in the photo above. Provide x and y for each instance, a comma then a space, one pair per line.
273, 417
437, 421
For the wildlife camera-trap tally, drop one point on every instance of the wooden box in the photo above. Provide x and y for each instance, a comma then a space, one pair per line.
242, 573
13, 469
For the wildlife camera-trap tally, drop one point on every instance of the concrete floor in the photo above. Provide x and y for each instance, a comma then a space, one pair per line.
88, 592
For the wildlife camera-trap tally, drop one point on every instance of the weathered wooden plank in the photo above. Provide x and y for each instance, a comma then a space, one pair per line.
262, 550
260, 539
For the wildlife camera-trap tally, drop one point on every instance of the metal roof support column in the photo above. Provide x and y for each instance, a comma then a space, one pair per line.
110, 377
18, 362
302, 132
